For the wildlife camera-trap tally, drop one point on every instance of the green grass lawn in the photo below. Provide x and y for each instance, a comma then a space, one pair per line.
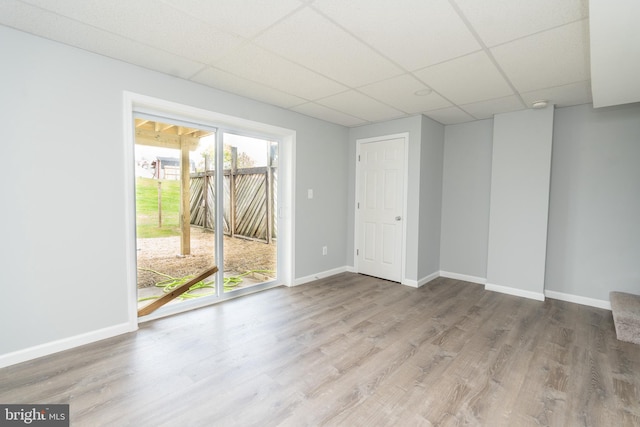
147, 208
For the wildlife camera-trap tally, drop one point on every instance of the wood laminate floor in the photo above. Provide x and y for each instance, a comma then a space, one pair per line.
350, 350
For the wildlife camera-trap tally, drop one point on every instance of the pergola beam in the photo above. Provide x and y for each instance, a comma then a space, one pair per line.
165, 140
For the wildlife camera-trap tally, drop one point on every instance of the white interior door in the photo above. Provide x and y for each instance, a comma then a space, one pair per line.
379, 208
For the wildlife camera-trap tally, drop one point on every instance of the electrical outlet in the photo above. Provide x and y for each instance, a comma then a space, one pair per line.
324, 250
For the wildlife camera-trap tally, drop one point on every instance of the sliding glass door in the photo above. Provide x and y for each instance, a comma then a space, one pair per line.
205, 198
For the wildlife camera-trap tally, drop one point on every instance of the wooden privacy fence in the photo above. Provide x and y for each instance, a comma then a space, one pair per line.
249, 202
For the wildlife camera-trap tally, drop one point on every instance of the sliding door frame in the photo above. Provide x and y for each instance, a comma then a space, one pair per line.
141, 104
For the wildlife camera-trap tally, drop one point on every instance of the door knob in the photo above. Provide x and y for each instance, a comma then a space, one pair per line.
398, 218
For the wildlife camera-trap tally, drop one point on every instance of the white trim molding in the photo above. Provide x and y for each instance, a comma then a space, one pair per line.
421, 282
514, 291
320, 275
65, 344
577, 299
463, 277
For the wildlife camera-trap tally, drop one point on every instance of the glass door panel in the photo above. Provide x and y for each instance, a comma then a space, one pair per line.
250, 206
175, 209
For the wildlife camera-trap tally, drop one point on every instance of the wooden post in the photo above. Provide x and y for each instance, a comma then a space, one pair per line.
205, 189
185, 214
232, 190
268, 201
159, 204
272, 162
267, 194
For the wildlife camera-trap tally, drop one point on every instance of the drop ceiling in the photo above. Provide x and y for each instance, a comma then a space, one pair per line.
348, 62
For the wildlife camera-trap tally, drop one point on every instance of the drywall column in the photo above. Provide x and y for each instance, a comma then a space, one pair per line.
519, 202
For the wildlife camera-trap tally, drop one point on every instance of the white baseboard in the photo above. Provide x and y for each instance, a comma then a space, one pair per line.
514, 291
64, 344
410, 283
592, 302
321, 275
463, 277
421, 282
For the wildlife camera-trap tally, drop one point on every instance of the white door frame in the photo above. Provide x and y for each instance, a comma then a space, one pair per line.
359, 142
136, 103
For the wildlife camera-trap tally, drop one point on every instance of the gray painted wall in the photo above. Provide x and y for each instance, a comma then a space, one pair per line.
63, 222
465, 198
594, 219
593, 234
431, 170
519, 204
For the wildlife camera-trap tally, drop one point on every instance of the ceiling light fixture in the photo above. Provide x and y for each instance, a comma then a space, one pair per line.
423, 92
539, 104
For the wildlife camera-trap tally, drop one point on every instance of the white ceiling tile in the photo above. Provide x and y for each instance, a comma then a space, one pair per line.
486, 109
234, 84
562, 96
149, 22
399, 92
499, 21
51, 25
362, 106
261, 66
470, 78
143, 56
319, 50
316, 43
449, 116
327, 114
413, 33
243, 17
551, 58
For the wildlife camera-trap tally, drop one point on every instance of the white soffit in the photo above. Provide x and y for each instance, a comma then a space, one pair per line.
615, 51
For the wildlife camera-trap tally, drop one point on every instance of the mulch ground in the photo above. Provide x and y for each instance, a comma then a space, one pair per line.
163, 255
